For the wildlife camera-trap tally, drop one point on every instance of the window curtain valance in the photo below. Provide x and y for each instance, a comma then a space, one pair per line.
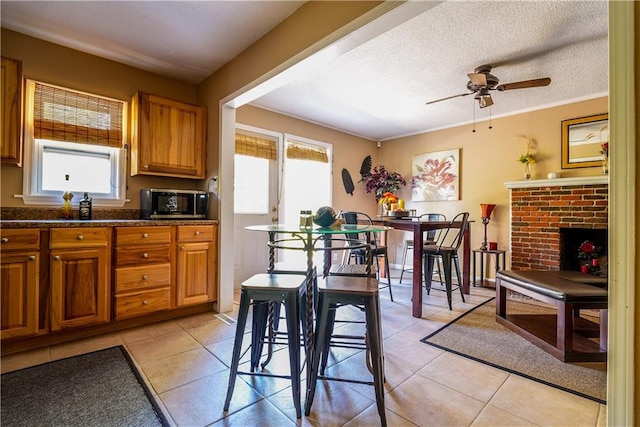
249, 145
302, 151
65, 115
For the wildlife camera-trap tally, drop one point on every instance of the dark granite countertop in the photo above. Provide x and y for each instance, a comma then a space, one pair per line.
61, 223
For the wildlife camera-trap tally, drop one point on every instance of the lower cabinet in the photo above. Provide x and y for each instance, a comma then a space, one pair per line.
196, 264
19, 279
60, 278
143, 271
80, 275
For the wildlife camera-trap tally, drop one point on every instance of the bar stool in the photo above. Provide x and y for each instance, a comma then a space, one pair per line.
274, 316
447, 250
431, 237
337, 291
377, 250
260, 290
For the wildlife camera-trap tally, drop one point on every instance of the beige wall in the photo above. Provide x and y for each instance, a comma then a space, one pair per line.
58, 65
348, 152
277, 50
488, 159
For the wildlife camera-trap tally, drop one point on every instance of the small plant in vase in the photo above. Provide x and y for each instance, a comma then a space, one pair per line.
527, 159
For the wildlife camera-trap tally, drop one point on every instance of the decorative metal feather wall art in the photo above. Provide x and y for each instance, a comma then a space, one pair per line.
365, 169
347, 181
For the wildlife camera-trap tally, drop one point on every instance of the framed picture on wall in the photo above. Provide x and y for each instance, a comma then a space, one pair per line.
583, 141
436, 176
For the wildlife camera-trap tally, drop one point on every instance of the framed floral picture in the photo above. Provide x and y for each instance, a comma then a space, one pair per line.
435, 176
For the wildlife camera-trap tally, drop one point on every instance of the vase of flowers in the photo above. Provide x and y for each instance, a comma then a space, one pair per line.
381, 181
527, 159
605, 158
386, 202
603, 135
588, 256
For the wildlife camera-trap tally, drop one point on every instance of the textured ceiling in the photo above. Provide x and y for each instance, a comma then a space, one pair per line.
379, 89
376, 90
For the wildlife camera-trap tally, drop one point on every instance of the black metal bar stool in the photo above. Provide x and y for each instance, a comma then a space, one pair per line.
260, 290
334, 292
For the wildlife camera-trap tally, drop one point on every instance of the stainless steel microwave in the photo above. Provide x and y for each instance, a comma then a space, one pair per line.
164, 203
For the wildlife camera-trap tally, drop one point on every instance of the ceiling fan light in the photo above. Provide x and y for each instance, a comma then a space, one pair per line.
485, 101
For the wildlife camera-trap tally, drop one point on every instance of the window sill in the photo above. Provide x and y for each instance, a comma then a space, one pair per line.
54, 201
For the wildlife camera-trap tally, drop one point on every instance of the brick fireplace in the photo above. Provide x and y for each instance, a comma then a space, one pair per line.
540, 209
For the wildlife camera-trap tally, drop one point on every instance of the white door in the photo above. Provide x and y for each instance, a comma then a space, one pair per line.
306, 185
255, 203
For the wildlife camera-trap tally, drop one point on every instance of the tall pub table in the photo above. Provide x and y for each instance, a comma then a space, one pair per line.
418, 228
309, 240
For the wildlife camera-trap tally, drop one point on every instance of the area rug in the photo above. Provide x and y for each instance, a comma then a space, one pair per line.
100, 388
477, 336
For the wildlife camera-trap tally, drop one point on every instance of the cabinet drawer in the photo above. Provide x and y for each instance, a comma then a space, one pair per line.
195, 233
19, 239
136, 278
143, 235
139, 303
142, 255
89, 237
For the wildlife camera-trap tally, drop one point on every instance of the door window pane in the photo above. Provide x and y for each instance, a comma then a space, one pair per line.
251, 180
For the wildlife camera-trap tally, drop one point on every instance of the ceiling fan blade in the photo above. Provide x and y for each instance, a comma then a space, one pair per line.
478, 79
525, 84
449, 97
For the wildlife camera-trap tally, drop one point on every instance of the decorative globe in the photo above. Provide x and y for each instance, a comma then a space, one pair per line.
325, 216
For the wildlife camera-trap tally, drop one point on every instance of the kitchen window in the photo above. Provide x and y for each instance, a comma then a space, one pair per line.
74, 141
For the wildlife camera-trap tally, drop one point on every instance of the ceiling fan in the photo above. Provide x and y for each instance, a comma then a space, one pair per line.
482, 81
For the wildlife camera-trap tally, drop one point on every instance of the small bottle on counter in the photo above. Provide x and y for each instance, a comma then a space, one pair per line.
67, 210
85, 207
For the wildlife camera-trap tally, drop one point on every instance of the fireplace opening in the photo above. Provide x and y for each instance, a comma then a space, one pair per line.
571, 240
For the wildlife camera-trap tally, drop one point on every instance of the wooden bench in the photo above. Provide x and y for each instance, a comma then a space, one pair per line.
565, 335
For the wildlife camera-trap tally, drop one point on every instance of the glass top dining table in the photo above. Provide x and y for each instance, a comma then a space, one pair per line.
308, 239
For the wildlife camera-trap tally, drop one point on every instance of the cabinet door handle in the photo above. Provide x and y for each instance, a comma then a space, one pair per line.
56, 258
5, 240
145, 277
32, 257
145, 166
145, 255
145, 235
182, 248
80, 237
145, 302
197, 233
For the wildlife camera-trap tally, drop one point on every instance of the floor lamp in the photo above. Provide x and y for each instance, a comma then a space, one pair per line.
486, 216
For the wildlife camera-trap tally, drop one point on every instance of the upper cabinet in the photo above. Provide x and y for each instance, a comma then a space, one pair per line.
11, 111
169, 137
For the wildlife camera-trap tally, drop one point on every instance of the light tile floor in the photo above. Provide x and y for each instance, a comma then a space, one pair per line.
186, 364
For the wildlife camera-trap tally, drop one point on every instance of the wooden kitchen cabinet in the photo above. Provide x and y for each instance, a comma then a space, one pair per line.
11, 81
168, 137
80, 276
143, 271
196, 264
19, 278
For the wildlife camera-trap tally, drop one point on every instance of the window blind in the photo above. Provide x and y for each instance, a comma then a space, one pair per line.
301, 151
249, 145
65, 115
